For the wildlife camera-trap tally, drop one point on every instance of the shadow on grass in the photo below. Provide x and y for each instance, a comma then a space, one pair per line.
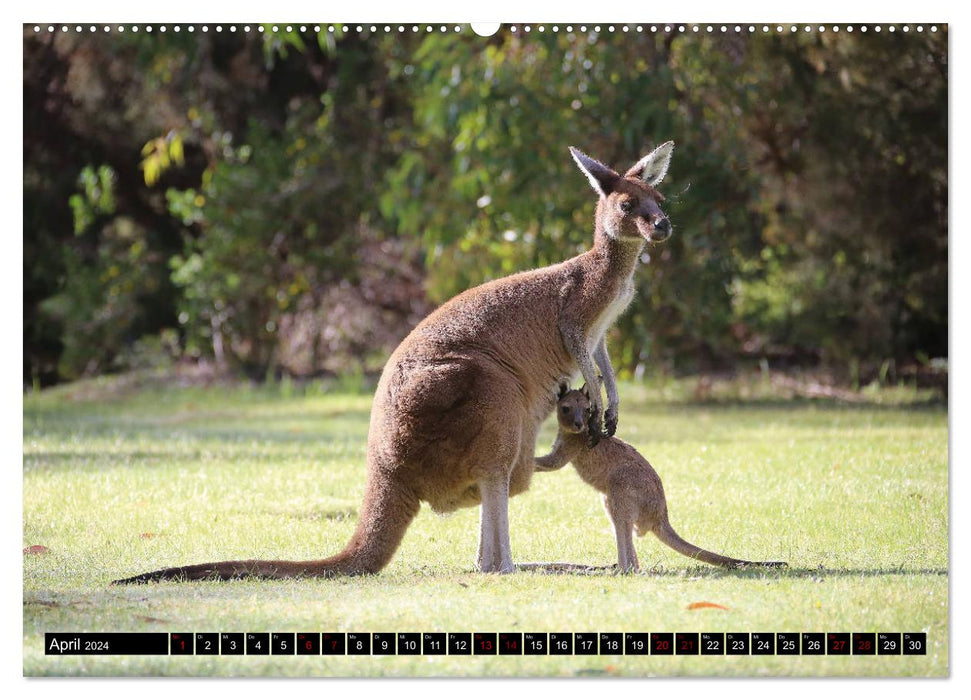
750, 572
802, 403
223, 423
176, 589
86, 461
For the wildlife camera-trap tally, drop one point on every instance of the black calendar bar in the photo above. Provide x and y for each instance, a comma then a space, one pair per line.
486, 643
106, 643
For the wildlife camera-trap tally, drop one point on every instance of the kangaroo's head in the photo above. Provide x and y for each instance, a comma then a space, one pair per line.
573, 409
629, 206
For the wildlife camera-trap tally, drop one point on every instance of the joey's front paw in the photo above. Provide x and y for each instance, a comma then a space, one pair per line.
610, 422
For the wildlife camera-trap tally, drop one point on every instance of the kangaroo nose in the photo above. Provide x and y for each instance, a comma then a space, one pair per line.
662, 230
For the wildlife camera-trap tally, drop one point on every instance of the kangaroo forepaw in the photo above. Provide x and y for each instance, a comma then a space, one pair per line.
610, 424
594, 437
594, 432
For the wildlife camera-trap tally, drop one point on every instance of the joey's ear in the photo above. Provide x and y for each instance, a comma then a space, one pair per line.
564, 388
654, 166
601, 178
584, 390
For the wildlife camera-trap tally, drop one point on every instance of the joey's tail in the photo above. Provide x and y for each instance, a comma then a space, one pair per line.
672, 539
387, 512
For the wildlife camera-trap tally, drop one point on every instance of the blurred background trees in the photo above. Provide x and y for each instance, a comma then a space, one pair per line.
292, 204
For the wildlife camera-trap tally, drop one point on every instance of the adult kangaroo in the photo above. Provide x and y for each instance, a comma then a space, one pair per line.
460, 401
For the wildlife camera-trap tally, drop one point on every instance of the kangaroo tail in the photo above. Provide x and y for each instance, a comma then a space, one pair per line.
385, 516
672, 539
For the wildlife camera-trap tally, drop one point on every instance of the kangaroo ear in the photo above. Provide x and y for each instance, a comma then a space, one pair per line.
654, 166
564, 388
601, 178
584, 390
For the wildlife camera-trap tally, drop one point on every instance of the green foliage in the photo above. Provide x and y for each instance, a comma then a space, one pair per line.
159, 153
256, 254
855, 195
96, 198
808, 189
101, 304
277, 217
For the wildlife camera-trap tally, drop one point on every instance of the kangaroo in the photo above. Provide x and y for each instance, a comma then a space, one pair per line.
632, 493
459, 403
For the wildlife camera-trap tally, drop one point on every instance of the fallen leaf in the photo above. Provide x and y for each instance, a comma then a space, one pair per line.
36, 549
146, 618
148, 535
704, 604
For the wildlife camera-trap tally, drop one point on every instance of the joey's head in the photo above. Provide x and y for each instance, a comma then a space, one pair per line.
573, 409
630, 206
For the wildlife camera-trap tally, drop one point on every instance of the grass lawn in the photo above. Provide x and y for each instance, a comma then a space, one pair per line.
854, 497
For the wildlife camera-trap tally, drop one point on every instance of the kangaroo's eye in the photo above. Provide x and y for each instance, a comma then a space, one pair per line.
627, 204
564, 409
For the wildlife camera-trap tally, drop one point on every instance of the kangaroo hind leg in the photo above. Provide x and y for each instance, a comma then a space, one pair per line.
493, 457
495, 552
622, 518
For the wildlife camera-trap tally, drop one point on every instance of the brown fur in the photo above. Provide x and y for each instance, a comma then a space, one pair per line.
633, 495
459, 403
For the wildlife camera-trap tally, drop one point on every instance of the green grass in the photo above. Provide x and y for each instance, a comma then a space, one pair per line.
854, 497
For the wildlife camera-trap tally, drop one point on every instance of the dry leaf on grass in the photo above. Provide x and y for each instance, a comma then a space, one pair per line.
154, 620
701, 605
